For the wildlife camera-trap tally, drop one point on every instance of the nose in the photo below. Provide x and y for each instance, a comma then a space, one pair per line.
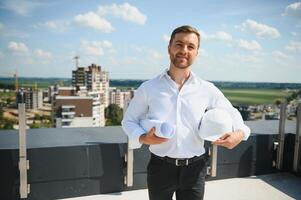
184, 49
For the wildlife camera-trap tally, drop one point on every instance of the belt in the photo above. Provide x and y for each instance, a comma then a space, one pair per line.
180, 161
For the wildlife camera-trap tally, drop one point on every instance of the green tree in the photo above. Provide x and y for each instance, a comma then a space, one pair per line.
113, 114
293, 96
278, 102
8, 101
8, 125
38, 117
34, 125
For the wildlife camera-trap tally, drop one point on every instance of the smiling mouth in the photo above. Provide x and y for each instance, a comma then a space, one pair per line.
181, 58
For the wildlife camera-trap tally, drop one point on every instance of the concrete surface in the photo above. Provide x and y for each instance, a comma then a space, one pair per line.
281, 186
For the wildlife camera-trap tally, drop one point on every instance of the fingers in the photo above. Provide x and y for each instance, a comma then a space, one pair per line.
152, 131
225, 136
228, 140
152, 138
219, 142
222, 140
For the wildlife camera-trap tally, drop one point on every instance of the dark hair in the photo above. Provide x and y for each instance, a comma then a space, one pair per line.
185, 29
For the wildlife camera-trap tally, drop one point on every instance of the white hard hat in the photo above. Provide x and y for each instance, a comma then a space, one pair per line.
214, 124
163, 129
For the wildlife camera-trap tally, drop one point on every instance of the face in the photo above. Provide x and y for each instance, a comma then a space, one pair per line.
183, 50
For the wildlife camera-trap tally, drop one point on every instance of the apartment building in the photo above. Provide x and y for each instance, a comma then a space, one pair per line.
120, 97
33, 99
73, 110
94, 79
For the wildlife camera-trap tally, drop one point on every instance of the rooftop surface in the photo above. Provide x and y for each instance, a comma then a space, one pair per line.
280, 186
56, 137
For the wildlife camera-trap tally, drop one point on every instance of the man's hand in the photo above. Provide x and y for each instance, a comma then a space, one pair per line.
230, 140
151, 138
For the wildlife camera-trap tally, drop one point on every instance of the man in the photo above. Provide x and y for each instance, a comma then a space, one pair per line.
180, 98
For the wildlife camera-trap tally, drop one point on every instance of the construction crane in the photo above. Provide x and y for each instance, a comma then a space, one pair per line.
76, 58
16, 81
15, 75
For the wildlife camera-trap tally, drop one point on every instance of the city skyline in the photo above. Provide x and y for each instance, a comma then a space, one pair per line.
250, 41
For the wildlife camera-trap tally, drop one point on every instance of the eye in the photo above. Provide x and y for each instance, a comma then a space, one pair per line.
191, 47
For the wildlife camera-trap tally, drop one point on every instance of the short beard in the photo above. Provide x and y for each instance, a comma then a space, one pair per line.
178, 65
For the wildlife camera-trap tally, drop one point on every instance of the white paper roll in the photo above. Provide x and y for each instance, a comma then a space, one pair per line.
163, 129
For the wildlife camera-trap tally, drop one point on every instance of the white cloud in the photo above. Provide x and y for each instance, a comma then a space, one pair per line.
281, 58
42, 53
18, 47
260, 30
295, 34
97, 48
155, 55
220, 36
93, 20
148, 53
124, 11
139, 49
203, 53
245, 59
249, 45
56, 25
279, 55
294, 46
51, 24
223, 36
293, 10
129, 61
1, 26
22, 8
166, 37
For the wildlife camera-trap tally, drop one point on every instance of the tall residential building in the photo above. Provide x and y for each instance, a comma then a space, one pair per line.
33, 99
93, 79
120, 97
105, 88
52, 91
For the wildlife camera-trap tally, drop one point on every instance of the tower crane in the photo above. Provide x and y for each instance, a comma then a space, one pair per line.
15, 75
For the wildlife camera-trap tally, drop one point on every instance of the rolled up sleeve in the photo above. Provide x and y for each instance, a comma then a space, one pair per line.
136, 111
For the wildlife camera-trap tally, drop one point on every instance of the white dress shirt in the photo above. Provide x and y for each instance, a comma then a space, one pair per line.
160, 99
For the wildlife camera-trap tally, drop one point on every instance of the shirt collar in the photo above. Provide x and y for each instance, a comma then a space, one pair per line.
192, 77
164, 73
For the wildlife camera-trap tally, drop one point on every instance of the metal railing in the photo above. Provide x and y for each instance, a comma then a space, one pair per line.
212, 169
23, 162
281, 136
297, 162
129, 159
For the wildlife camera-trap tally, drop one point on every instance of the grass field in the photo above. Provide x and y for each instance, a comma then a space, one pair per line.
8, 95
254, 96
236, 96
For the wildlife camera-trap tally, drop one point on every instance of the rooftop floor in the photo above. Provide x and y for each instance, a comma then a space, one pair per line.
281, 186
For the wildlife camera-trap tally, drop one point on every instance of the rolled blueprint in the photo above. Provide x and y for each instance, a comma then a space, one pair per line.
163, 129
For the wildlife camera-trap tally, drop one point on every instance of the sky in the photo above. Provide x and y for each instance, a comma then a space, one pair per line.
241, 40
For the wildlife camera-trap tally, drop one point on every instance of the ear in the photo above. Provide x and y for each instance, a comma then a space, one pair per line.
168, 49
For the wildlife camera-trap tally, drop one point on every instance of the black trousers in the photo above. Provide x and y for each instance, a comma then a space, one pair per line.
164, 178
